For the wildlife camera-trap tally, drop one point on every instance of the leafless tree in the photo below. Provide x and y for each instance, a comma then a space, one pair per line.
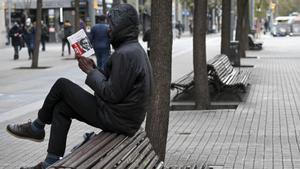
225, 34
199, 54
35, 58
161, 54
242, 26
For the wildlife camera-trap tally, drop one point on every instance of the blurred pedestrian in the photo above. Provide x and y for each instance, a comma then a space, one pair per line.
67, 31
15, 33
100, 40
191, 27
44, 35
29, 37
82, 24
178, 27
258, 28
266, 26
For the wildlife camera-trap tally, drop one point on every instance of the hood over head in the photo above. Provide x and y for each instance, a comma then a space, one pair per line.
123, 22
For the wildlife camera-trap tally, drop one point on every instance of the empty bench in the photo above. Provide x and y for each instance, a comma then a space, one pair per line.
253, 45
116, 151
184, 83
222, 75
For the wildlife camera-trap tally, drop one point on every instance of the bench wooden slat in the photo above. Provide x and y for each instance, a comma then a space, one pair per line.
140, 157
131, 156
152, 163
147, 160
93, 148
96, 157
80, 149
107, 162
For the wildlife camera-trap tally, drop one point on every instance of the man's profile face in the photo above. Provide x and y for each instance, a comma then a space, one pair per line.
85, 44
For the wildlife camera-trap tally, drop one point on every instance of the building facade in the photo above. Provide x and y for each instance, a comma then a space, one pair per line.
3, 32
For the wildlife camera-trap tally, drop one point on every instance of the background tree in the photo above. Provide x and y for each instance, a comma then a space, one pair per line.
285, 7
35, 58
199, 55
161, 58
242, 29
225, 34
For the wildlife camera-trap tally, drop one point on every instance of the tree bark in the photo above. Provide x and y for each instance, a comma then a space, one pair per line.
35, 58
241, 29
225, 34
161, 58
199, 49
76, 15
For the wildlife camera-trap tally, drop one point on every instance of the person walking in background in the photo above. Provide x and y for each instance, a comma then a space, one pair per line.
44, 35
100, 40
266, 26
82, 24
66, 32
15, 33
178, 27
191, 26
29, 37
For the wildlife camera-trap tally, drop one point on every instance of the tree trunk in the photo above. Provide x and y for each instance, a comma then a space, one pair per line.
161, 58
176, 11
225, 34
116, 2
247, 26
104, 10
199, 49
241, 30
76, 15
35, 58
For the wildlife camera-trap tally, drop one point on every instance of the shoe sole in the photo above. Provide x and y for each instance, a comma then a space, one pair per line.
26, 138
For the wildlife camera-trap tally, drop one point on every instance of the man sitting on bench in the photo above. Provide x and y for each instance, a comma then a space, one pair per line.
121, 93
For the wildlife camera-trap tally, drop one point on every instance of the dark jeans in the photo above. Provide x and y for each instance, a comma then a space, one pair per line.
102, 56
66, 101
16, 55
64, 42
30, 53
43, 42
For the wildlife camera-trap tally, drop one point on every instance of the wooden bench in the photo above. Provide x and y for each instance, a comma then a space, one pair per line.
184, 83
253, 45
114, 151
222, 75
111, 150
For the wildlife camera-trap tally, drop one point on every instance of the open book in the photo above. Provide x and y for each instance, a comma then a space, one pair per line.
81, 44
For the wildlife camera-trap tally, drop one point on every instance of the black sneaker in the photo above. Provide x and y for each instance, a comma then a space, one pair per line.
38, 166
25, 131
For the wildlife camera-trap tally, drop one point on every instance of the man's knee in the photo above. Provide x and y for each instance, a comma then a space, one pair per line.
62, 82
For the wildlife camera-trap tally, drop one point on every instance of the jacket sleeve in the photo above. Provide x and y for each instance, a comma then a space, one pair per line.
120, 81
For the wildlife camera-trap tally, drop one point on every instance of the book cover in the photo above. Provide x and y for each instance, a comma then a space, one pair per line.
81, 44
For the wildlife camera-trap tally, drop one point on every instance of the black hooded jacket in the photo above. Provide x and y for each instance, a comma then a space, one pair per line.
122, 94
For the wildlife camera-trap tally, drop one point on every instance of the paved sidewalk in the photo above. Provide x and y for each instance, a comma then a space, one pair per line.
262, 133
